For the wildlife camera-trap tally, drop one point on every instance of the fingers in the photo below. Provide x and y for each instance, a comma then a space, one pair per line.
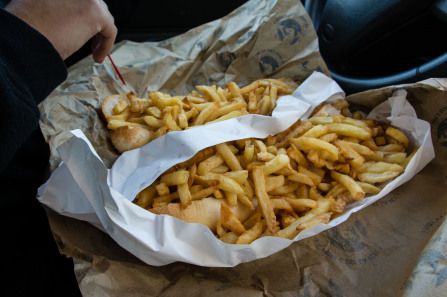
67, 26
103, 42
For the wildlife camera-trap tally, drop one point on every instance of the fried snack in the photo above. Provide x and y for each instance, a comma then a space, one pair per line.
134, 122
206, 212
246, 189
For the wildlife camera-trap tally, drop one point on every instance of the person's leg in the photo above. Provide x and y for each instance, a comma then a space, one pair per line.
31, 258
29, 254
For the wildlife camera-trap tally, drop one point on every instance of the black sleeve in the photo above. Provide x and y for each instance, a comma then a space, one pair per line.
30, 69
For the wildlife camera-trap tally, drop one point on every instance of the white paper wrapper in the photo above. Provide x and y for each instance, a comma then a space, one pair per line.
83, 188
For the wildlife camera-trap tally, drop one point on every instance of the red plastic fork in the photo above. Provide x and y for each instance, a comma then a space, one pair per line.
117, 71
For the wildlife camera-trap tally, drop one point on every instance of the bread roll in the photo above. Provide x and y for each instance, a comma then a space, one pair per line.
109, 103
128, 138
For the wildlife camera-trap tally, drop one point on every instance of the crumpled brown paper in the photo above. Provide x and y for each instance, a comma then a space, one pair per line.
260, 39
395, 247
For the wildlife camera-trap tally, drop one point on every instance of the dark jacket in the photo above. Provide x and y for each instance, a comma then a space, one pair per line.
30, 68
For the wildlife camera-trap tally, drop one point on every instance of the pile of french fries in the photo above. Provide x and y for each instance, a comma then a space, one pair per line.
161, 113
303, 176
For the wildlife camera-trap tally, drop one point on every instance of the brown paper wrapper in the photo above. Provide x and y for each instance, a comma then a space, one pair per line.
260, 39
395, 247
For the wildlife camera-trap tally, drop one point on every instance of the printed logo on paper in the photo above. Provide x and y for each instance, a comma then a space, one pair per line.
226, 59
308, 288
346, 244
433, 222
439, 123
441, 132
288, 29
269, 60
387, 200
431, 265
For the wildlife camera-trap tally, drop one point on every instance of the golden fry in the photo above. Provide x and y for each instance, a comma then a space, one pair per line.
277, 163
175, 178
309, 143
355, 190
228, 156
319, 219
227, 184
349, 130
250, 235
263, 198
398, 135
230, 221
184, 194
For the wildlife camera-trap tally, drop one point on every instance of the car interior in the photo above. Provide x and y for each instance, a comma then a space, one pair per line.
370, 44
365, 44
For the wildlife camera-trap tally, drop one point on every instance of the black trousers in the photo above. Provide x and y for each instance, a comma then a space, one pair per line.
29, 255
32, 260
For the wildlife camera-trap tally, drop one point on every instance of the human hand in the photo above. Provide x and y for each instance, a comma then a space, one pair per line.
69, 24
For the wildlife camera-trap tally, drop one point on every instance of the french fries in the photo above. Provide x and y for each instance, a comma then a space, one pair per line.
286, 183
161, 113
